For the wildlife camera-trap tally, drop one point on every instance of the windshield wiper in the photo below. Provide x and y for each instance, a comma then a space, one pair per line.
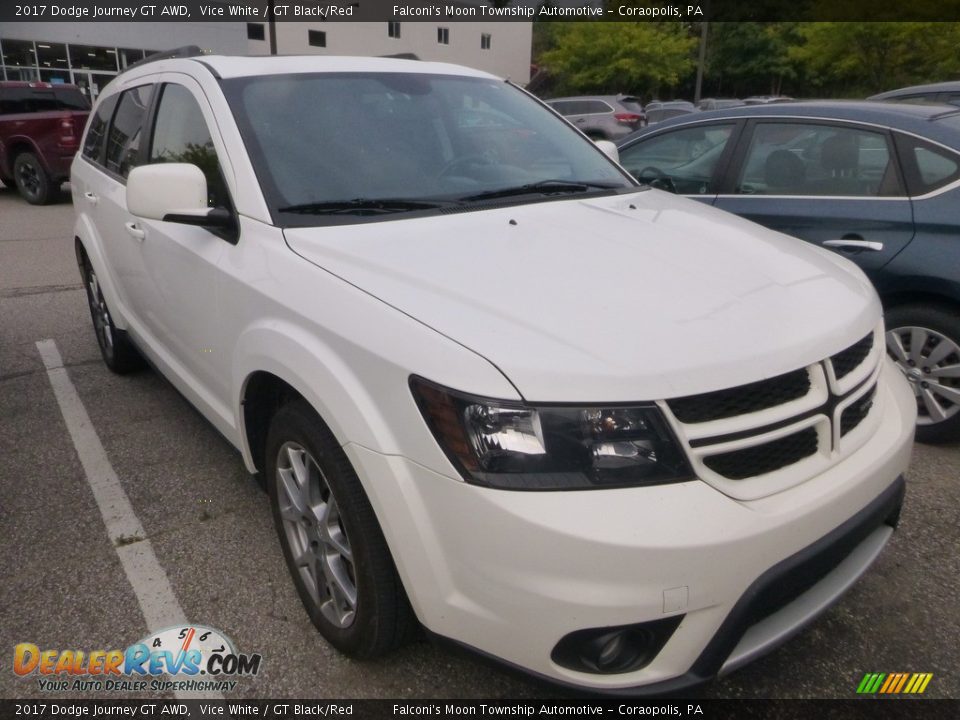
360, 206
544, 187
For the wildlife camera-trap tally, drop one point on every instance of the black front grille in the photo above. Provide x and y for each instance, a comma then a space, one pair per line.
848, 360
743, 399
764, 458
854, 414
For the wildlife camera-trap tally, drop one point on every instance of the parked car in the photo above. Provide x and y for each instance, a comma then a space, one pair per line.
878, 183
719, 103
602, 117
766, 99
658, 111
947, 93
40, 126
491, 383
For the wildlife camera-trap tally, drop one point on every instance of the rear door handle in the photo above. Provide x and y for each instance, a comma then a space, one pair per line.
134, 230
91, 198
854, 245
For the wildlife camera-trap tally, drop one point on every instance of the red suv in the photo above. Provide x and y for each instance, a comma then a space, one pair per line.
40, 129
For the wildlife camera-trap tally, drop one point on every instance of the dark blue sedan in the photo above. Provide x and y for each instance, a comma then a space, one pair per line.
877, 182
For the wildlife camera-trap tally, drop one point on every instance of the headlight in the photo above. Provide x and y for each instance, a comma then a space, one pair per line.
511, 445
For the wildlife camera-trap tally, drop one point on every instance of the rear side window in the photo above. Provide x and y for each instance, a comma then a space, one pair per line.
97, 134
181, 135
126, 131
927, 167
818, 160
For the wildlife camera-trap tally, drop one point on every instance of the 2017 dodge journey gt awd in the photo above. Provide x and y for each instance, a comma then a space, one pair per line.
600, 433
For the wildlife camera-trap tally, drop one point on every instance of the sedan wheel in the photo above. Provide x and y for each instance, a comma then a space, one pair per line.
927, 351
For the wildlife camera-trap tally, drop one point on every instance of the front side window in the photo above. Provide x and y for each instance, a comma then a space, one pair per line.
97, 133
682, 161
126, 131
180, 135
810, 159
321, 139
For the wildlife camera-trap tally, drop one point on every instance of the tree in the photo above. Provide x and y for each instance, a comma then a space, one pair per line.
750, 58
846, 58
639, 58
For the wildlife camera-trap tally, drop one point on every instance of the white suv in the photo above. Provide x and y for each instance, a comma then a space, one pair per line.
595, 431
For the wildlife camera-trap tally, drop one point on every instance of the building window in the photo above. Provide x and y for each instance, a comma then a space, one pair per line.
393, 29
485, 41
255, 31
443, 35
317, 38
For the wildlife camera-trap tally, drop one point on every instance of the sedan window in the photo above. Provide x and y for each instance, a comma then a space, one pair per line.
682, 161
807, 159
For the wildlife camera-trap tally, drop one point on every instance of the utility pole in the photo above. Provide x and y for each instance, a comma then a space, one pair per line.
273, 26
700, 61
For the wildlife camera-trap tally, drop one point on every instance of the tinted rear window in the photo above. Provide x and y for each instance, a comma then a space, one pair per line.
22, 100
70, 98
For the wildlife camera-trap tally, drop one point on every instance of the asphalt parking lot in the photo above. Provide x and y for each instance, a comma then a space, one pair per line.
62, 584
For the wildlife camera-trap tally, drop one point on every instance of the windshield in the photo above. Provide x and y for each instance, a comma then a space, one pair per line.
348, 146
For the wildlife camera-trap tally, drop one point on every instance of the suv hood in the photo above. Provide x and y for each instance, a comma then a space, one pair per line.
633, 297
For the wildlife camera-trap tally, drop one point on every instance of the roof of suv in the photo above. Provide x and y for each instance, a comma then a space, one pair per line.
226, 66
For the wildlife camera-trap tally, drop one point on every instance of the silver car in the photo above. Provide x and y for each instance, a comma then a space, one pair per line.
602, 117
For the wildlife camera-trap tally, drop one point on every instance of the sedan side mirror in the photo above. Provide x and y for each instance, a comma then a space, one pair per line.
609, 149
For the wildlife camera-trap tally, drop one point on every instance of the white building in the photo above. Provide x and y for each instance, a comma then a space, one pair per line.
500, 48
90, 54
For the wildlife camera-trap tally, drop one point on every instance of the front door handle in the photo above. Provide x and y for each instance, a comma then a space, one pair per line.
91, 198
854, 245
135, 231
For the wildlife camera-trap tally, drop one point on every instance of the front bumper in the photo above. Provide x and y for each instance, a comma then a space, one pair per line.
509, 573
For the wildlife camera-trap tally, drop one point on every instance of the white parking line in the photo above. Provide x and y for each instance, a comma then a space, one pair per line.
150, 584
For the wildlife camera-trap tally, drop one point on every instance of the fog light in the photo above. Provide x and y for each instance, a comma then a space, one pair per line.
612, 650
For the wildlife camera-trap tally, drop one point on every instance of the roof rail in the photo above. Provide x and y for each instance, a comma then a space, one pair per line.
402, 56
187, 51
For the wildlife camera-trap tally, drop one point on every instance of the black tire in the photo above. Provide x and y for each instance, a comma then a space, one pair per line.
938, 331
33, 183
118, 352
380, 619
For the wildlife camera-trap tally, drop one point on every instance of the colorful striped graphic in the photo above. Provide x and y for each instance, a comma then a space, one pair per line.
894, 683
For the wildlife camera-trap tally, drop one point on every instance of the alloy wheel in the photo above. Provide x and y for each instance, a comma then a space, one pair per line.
99, 312
315, 534
931, 363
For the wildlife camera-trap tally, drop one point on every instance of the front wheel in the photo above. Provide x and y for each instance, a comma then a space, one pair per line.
924, 341
331, 540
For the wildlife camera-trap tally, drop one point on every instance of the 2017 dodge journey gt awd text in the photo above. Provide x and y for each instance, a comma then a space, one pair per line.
600, 433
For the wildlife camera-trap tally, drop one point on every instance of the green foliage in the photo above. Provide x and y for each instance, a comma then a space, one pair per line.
750, 58
857, 58
598, 57
803, 59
